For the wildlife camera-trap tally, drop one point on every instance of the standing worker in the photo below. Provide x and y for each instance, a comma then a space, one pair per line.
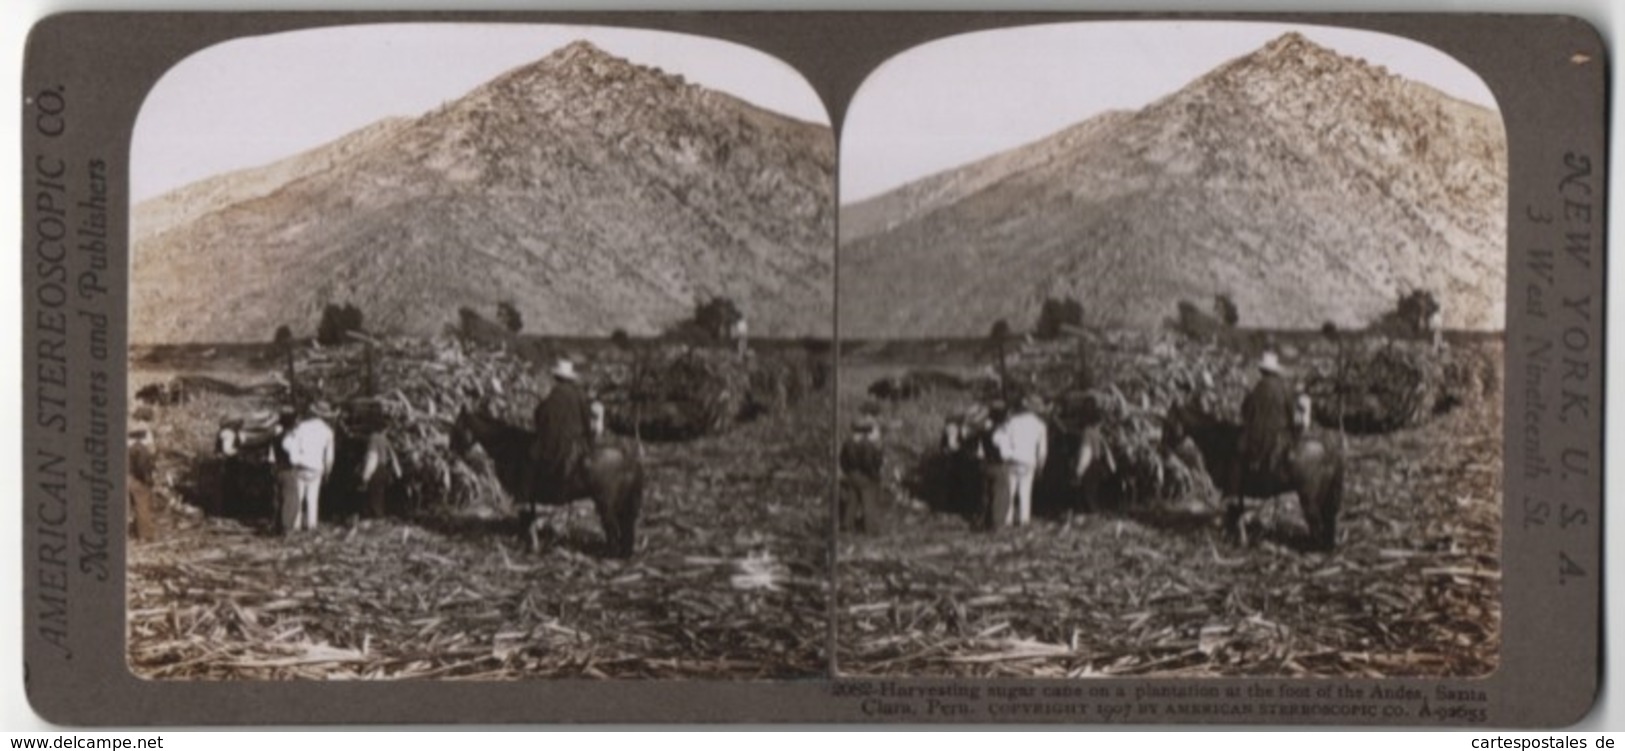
862, 463
998, 481
379, 466
141, 471
305, 462
741, 335
1023, 444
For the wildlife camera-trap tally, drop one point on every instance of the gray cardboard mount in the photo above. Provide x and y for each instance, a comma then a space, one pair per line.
87, 74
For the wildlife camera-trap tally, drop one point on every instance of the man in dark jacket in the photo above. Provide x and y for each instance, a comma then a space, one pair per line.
142, 468
563, 422
1266, 424
861, 454
862, 463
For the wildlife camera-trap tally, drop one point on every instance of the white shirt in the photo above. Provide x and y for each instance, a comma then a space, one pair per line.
310, 445
1023, 440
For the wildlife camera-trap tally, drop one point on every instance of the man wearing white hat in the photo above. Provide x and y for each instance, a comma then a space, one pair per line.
1023, 444
1266, 423
307, 449
563, 421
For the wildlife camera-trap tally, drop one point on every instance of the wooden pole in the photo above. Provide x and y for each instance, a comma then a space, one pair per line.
293, 383
372, 381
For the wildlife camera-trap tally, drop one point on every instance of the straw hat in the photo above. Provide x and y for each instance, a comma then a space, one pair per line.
564, 370
1271, 364
323, 410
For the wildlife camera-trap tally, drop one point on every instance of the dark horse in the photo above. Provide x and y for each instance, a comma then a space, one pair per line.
608, 474
1313, 471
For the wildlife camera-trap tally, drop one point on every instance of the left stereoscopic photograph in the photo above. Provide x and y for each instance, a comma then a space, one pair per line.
480, 352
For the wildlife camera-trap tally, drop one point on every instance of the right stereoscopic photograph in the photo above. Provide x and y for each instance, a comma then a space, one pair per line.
1171, 349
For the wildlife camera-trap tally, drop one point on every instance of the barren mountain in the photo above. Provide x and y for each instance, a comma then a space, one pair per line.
1308, 186
591, 192
185, 204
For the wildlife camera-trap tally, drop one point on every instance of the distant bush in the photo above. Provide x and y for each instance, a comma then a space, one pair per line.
1055, 315
284, 336
1200, 325
713, 321
1412, 315
509, 317
1224, 309
477, 329
337, 323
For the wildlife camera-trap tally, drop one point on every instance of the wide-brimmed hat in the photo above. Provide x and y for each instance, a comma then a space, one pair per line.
865, 424
1269, 363
564, 370
1033, 403
323, 410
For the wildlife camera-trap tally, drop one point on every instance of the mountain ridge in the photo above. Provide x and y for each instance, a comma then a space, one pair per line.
1308, 186
591, 192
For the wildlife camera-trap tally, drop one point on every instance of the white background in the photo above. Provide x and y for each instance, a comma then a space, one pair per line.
18, 15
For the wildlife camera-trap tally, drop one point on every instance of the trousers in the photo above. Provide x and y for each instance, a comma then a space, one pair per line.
299, 492
997, 486
1020, 507
141, 510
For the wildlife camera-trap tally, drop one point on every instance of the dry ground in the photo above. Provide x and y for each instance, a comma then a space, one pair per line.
1413, 588
729, 579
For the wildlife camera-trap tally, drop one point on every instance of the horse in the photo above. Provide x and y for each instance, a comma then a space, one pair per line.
1313, 472
608, 474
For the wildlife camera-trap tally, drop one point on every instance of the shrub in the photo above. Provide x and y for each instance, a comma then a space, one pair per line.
1055, 315
509, 317
337, 323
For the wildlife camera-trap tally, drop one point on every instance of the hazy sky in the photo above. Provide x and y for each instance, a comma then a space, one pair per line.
963, 98
251, 101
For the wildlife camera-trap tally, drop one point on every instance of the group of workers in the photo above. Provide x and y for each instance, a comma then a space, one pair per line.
1008, 448
302, 444
300, 448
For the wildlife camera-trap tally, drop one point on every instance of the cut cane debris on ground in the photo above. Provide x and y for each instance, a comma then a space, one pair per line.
728, 581
1154, 588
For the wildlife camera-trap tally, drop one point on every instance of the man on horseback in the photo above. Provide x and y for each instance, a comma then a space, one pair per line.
1266, 424
563, 423
1266, 439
